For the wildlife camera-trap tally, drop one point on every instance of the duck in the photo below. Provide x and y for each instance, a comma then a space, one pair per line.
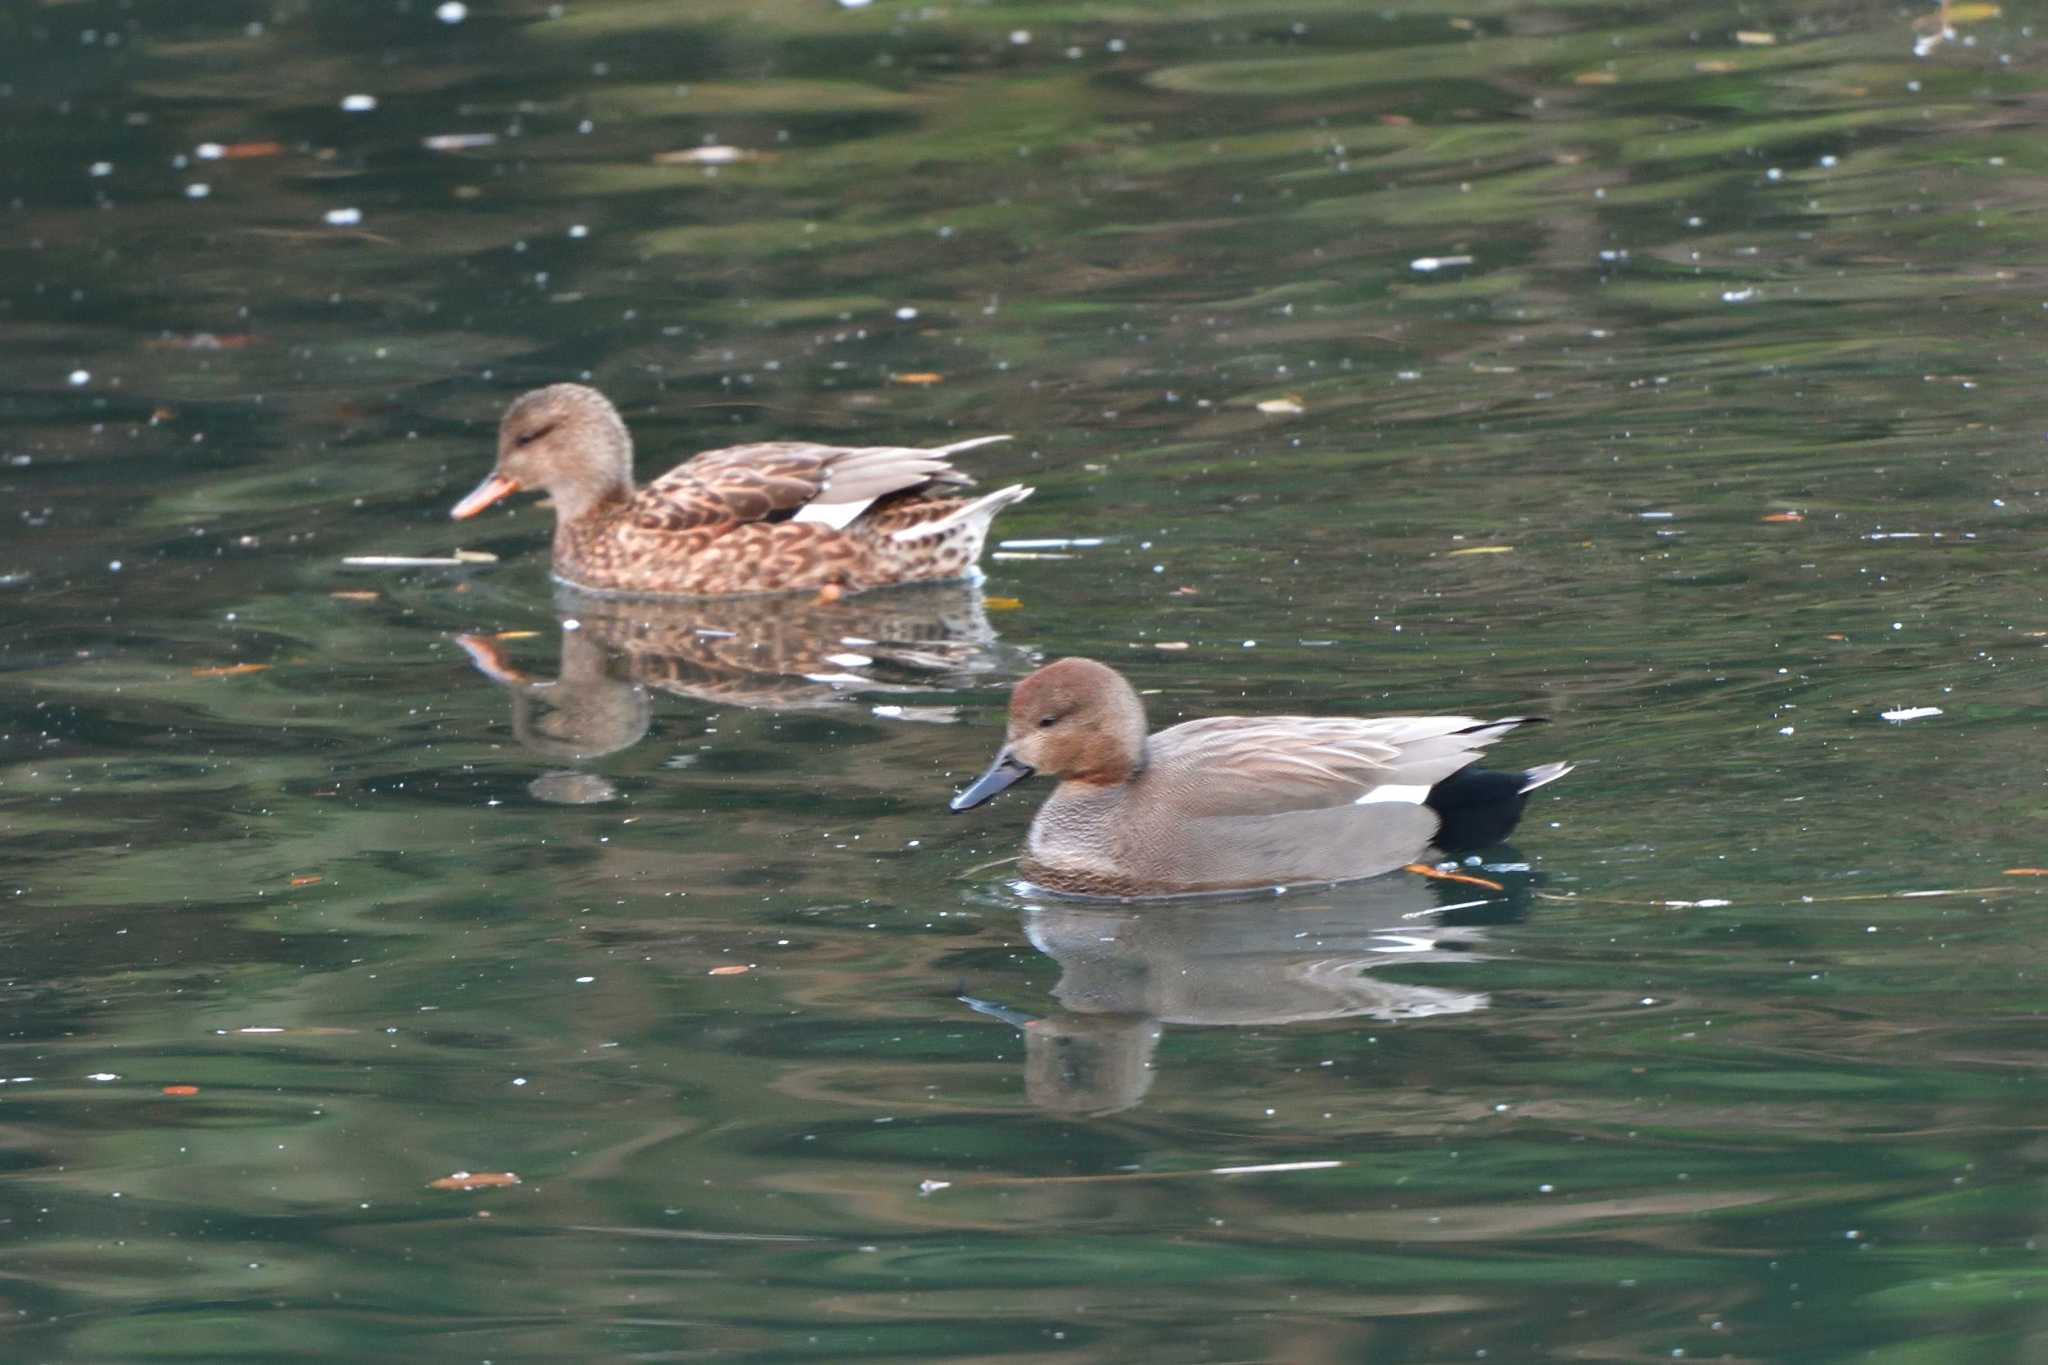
1232, 803
774, 516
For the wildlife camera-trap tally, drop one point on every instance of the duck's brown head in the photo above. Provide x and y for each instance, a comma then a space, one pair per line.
1076, 720
565, 438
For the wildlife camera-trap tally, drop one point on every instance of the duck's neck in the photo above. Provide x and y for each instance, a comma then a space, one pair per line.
583, 494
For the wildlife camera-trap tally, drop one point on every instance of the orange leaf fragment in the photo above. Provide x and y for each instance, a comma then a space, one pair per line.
158, 416
921, 377
244, 151
516, 635
735, 970
1290, 406
355, 596
474, 1180
1749, 37
1784, 516
1002, 603
1171, 644
1834, 635
1596, 78
309, 879
228, 670
181, 1090
2026, 872
1481, 550
1425, 870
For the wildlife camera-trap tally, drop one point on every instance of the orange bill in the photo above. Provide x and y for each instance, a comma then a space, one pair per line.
483, 495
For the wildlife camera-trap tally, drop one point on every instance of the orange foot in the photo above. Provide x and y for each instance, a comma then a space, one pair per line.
1425, 870
489, 660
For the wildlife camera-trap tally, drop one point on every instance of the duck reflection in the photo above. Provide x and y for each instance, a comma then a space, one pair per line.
772, 652
1127, 971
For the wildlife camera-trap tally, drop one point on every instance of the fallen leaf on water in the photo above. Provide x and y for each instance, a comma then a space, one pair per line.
1002, 603
2026, 872
1480, 550
1750, 37
728, 971
160, 415
1185, 591
1715, 66
475, 557
201, 341
1901, 714
473, 1180
1425, 870
1290, 406
309, 879
1171, 644
244, 151
1970, 14
1464, 25
228, 670
355, 596
1596, 78
921, 377
516, 635
1784, 516
181, 1090
1834, 635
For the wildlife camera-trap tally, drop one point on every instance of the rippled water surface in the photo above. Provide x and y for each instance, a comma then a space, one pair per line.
1671, 372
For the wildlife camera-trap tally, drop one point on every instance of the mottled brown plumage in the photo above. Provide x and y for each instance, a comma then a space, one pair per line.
776, 516
1224, 803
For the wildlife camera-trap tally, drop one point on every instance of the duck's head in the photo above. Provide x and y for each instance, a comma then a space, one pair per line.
565, 438
1076, 720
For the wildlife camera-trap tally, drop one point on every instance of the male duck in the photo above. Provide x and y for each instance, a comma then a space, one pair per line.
773, 517
1234, 802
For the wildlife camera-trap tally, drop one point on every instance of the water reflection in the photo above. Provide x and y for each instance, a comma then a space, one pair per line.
1126, 972
777, 652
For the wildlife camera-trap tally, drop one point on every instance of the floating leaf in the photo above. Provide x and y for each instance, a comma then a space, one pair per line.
308, 879
1171, 644
1289, 406
1715, 66
2026, 872
1480, 550
1750, 37
1784, 516
1970, 14
181, 1090
516, 635
921, 377
1002, 603
355, 596
244, 151
1596, 78
735, 970
228, 670
474, 1180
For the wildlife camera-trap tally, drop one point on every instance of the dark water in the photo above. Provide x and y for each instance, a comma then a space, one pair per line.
1744, 1061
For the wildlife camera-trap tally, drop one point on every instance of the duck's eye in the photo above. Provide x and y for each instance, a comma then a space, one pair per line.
527, 438
1044, 721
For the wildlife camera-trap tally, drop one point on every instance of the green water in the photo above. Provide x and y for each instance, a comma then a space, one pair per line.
1743, 1061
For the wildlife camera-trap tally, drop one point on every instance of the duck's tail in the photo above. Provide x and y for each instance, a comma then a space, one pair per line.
970, 519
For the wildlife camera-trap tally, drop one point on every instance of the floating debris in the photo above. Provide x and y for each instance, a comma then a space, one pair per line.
420, 561
229, 670
1906, 713
1289, 406
474, 1180
1783, 516
458, 142
1051, 543
342, 217
1480, 550
1749, 37
1264, 1168
181, 1090
922, 377
358, 104
308, 879
711, 155
735, 970
1430, 264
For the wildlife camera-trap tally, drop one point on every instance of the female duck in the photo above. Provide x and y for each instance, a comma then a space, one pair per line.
1234, 802
773, 517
